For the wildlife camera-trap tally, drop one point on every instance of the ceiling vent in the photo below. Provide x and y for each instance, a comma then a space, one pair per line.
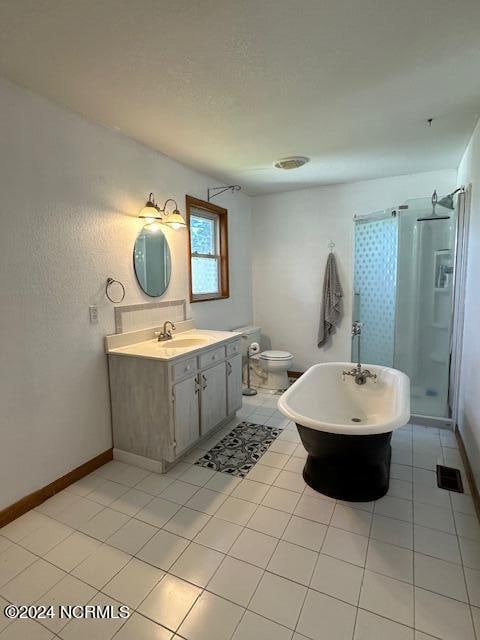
293, 162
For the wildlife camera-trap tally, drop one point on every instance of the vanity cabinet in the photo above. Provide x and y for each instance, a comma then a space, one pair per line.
162, 408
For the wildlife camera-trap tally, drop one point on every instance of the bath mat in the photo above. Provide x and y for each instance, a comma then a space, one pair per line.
241, 449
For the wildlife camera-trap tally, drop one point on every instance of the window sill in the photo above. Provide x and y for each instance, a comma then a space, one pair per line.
208, 298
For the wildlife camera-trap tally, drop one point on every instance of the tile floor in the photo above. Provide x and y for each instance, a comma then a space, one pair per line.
199, 555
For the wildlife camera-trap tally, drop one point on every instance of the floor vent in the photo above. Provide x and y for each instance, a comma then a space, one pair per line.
449, 478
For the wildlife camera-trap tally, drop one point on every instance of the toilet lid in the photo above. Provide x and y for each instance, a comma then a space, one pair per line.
275, 355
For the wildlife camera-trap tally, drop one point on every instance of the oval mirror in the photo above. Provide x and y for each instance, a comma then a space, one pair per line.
152, 261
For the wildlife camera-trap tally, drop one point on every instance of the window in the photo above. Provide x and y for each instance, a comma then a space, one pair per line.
208, 250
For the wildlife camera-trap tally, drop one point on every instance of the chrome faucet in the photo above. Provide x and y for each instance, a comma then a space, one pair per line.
165, 334
360, 375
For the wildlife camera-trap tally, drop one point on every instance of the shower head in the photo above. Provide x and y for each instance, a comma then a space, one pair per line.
433, 215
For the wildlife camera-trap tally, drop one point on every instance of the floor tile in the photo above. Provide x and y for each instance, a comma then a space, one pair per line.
436, 543
462, 503
467, 526
206, 501
104, 524
210, 608
262, 473
400, 489
163, 549
29, 585
179, 492
131, 502
138, 627
394, 508
305, 533
445, 578
157, 512
14, 560
132, 536
276, 460
269, 521
133, 583
295, 464
431, 495
236, 510
73, 550
290, 480
154, 484
351, 519
124, 473
278, 599
235, 580
345, 545
254, 547
107, 492
470, 551
401, 472
372, 627
393, 531
336, 578
337, 618
282, 446
187, 522
197, 475
472, 578
293, 562
101, 566
442, 617
23, 526
250, 490
253, 626
223, 483
69, 591
169, 602
219, 534
315, 509
79, 511
197, 564
390, 560
387, 597
26, 630
98, 628
47, 536
281, 499
428, 515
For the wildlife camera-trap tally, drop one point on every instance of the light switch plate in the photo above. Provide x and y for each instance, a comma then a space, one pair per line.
93, 312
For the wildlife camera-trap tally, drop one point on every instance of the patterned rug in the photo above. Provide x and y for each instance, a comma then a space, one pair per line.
241, 449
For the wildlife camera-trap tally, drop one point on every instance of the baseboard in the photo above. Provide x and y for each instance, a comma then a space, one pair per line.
37, 497
155, 466
295, 374
469, 473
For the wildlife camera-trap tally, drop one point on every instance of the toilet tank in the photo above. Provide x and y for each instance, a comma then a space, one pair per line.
249, 334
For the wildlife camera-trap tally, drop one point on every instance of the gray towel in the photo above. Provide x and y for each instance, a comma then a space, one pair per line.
332, 306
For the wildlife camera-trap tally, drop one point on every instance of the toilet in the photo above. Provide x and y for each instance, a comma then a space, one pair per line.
268, 369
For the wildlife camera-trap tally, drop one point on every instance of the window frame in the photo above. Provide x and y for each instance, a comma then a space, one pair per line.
194, 207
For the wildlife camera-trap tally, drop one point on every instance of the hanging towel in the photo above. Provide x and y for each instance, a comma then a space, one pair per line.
332, 306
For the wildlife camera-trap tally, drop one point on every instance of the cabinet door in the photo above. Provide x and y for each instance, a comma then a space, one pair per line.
234, 383
186, 414
213, 404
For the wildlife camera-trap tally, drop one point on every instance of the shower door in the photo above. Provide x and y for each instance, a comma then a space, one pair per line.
403, 296
423, 326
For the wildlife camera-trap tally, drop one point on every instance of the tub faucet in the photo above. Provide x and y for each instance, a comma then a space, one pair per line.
360, 375
165, 334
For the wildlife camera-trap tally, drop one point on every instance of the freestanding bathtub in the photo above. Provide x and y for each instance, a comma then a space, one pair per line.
346, 428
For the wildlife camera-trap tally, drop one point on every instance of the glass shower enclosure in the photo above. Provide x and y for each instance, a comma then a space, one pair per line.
403, 296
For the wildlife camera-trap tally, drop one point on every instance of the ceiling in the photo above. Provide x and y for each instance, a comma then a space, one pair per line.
230, 86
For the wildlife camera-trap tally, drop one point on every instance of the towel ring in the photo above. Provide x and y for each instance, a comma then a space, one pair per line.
108, 284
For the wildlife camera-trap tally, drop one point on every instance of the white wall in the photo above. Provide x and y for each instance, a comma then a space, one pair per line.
291, 235
69, 189
469, 409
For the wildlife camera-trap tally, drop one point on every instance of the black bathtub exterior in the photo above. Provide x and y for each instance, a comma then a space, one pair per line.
347, 467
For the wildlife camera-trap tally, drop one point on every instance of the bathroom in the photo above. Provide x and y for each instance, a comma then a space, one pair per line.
108, 107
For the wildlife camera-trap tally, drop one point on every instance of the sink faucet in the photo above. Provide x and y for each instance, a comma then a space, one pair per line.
360, 375
165, 334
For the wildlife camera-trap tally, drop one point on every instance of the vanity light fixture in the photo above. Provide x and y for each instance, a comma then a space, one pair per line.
154, 215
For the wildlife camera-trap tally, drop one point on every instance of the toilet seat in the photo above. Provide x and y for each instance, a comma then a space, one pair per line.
275, 355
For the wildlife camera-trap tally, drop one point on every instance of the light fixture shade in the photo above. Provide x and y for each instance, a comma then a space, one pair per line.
150, 210
175, 220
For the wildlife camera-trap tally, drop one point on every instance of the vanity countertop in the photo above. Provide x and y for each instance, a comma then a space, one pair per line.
183, 343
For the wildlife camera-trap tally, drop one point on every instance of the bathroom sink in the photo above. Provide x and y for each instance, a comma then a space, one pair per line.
183, 343
322, 400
